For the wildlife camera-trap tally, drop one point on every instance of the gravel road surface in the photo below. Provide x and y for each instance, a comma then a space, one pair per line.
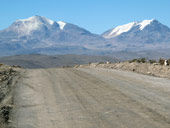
90, 98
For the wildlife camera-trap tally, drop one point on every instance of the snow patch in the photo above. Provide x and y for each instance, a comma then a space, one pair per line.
120, 29
37, 19
26, 27
51, 22
61, 24
144, 23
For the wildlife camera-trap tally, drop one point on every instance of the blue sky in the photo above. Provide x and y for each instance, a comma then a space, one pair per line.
95, 15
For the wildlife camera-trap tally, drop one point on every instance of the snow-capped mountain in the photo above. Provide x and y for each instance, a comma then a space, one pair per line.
40, 34
125, 28
148, 34
26, 26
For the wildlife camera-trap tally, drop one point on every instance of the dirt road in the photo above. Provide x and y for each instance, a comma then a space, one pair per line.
90, 98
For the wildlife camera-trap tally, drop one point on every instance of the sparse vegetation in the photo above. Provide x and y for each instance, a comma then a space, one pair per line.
134, 60
152, 61
168, 61
4, 113
161, 61
144, 60
140, 60
67, 66
101, 63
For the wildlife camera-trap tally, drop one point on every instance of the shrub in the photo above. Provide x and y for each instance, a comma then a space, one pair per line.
152, 61
66, 66
140, 60
161, 61
134, 60
101, 63
168, 61
143, 60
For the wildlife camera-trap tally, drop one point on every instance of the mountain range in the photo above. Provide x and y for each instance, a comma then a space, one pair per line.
40, 35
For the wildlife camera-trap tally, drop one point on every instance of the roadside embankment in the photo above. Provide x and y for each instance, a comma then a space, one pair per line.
154, 69
8, 77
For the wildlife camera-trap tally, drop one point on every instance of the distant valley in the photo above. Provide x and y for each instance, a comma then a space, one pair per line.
34, 61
